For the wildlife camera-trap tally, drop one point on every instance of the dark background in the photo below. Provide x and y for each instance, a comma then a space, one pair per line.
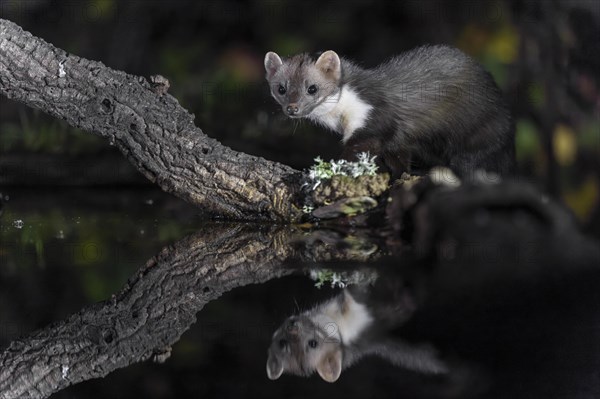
90, 220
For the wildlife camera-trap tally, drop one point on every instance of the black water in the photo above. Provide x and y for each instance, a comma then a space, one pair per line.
523, 327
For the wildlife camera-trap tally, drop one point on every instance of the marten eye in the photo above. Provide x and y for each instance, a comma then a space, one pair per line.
313, 343
281, 89
312, 89
282, 343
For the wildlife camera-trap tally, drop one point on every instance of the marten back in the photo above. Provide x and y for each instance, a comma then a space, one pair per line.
436, 107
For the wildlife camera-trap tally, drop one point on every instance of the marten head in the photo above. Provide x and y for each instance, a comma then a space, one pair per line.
301, 347
302, 83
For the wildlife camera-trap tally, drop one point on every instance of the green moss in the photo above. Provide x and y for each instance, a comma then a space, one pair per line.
340, 187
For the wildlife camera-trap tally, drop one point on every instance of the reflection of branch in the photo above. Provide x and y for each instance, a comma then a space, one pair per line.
150, 313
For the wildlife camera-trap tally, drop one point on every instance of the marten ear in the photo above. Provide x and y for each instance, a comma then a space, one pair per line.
272, 64
330, 366
329, 63
274, 367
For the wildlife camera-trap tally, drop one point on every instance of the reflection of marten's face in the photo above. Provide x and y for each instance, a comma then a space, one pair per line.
299, 86
297, 347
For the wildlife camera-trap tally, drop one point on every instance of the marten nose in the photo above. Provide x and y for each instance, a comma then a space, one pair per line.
292, 109
292, 327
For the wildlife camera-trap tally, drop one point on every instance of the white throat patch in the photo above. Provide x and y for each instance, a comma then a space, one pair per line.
344, 112
348, 325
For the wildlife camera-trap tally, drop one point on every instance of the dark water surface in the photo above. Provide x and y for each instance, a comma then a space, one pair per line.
506, 327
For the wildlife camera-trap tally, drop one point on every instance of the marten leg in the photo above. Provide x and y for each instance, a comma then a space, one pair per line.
388, 158
397, 161
356, 145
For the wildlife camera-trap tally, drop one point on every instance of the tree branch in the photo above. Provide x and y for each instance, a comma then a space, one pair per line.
151, 129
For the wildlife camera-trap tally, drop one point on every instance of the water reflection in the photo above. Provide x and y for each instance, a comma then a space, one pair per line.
341, 331
485, 314
140, 322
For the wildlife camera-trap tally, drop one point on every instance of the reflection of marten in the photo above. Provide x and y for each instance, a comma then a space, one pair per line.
339, 332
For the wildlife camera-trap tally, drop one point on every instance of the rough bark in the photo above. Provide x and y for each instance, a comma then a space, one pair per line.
150, 313
152, 130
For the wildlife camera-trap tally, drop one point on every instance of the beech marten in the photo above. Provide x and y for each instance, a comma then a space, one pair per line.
430, 106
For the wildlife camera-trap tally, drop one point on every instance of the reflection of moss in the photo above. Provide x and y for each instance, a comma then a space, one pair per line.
342, 278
